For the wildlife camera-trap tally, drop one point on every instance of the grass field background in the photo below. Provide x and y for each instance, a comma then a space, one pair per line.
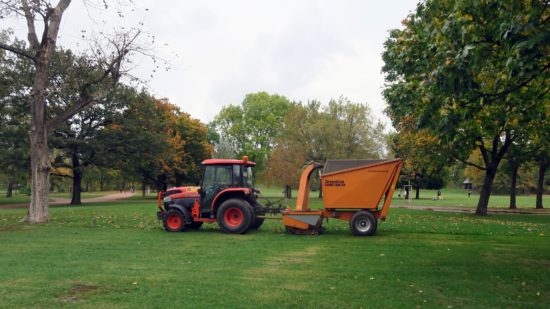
115, 255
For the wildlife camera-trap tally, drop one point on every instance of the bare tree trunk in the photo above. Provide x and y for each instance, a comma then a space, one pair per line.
100, 180
40, 165
143, 189
540, 184
40, 172
492, 160
513, 182
77, 179
486, 189
288, 191
9, 191
417, 193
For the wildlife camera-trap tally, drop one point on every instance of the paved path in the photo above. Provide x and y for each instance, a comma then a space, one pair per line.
66, 201
531, 211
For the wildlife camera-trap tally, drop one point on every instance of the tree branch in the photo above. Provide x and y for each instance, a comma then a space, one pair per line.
31, 35
60, 175
82, 103
113, 71
483, 151
507, 143
469, 163
17, 51
496, 95
61, 164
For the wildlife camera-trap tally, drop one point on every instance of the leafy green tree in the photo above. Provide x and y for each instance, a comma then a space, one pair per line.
253, 126
77, 137
14, 122
423, 162
471, 72
134, 142
156, 143
340, 130
195, 148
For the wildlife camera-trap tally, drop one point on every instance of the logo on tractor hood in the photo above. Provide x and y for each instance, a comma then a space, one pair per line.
335, 183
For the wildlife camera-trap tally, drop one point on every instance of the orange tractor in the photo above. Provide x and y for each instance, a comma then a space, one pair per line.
358, 191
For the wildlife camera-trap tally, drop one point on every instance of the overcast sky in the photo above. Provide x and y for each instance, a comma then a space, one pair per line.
222, 50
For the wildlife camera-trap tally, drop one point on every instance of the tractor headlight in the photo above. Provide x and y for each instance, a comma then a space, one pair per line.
167, 199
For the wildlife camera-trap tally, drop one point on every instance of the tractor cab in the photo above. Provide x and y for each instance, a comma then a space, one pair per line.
222, 175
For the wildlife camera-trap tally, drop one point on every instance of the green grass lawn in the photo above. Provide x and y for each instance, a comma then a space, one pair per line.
115, 255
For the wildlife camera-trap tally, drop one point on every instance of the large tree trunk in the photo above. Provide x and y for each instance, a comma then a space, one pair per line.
417, 193
486, 191
143, 187
40, 164
40, 174
9, 191
492, 160
540, 184
77, 180
513, 182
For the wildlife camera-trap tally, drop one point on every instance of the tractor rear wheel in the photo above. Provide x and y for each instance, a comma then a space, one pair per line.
174, 221
363, 223
235, 216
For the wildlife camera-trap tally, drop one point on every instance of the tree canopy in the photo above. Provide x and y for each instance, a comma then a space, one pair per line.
312, 131
474, 73
252, 126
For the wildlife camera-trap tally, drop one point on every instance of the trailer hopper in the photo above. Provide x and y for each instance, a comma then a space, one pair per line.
358, 191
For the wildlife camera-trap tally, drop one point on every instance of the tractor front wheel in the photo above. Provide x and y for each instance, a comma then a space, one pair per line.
235, 216
174, 221
363, 223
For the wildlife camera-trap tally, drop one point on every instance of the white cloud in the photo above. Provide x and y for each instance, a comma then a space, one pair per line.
225, 49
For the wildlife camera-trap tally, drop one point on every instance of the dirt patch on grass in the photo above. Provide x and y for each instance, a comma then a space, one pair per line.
280, 263
278, 269
78, 292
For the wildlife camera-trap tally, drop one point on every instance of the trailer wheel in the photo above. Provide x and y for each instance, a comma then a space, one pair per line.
235, 216
363, 223
174, 221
